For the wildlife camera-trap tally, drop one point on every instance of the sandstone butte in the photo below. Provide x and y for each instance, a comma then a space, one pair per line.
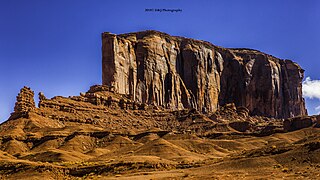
178, 73
168, 108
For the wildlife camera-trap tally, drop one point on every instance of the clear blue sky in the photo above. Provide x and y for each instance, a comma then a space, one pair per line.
54, 46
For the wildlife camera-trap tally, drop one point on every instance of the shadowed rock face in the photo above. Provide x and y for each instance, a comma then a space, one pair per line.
175, 72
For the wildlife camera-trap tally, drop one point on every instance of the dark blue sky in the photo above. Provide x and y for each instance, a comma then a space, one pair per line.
54, 46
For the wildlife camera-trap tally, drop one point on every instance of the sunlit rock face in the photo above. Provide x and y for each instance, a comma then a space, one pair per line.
176, 73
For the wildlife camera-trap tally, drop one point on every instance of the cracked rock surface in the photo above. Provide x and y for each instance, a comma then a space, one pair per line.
155, 68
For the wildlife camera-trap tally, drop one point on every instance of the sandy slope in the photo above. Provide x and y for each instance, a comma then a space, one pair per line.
70, 139
71, 153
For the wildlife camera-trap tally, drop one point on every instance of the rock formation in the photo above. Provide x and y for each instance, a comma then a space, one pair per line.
296, 123
167, 104
174, 72
100, 134
24, 104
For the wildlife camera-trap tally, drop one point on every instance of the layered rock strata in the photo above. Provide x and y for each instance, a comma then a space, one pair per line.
24, 104
176, 73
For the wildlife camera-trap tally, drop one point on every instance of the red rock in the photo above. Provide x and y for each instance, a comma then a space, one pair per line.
299, 122
241, 126
176, 73
24, 104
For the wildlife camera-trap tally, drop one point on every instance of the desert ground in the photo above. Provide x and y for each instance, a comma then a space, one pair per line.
83, 137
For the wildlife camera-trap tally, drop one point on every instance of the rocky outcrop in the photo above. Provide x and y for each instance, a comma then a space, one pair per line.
101, 107
296, 123
175, 72
241, 126
24, 104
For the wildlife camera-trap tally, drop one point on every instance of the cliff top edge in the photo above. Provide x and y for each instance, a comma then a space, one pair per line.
145, 33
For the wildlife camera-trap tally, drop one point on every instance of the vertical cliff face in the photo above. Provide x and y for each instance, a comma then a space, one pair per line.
174, 72
267, 86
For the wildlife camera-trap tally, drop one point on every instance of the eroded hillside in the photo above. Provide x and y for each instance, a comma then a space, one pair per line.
101, 134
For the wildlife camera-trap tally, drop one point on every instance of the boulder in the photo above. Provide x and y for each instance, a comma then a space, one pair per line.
242, 111
297, 123
241, 126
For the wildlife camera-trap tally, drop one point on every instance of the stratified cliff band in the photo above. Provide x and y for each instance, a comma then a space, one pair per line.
175, 72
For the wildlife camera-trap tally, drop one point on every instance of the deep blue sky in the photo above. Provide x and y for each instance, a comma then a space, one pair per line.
54, 46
